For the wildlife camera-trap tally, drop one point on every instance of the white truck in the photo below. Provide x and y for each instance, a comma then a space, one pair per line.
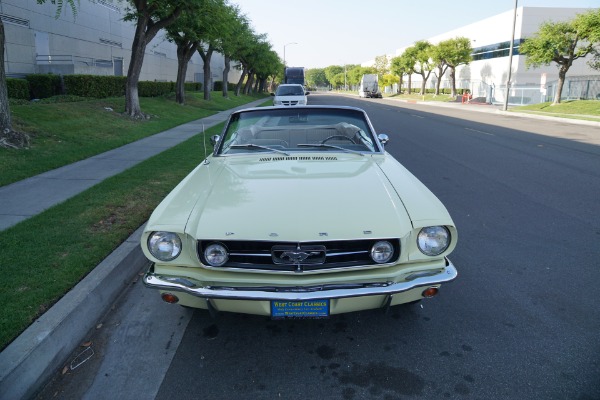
369, 86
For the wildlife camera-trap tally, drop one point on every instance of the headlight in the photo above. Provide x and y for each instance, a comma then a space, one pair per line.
165, 246
216, 255
433, 240
382, 252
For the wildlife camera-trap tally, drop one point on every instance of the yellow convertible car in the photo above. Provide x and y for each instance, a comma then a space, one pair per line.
299, 213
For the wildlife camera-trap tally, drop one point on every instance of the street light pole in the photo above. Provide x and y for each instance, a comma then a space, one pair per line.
510, 56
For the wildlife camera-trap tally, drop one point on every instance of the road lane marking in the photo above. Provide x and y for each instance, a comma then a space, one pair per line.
475, 130
417, 116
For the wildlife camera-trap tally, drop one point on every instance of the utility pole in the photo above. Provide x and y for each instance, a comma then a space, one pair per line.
510, 57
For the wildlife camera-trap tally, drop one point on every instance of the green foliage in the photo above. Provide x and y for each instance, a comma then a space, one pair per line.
155, 89
563, 42
332, 71
17, 88
355, 74
193, 86
382, 65
316, 77
43, 85
452, 52
218, 86
95, 86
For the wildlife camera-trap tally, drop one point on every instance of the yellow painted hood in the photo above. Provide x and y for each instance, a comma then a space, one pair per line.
293, 199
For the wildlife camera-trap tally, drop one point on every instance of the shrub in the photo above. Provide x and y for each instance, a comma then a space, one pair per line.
43, 85
155, 89
96, 86
17, 88
193, 86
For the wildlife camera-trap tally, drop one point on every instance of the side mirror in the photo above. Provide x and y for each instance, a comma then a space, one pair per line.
307, 93
272, 94
215, 139
383, 138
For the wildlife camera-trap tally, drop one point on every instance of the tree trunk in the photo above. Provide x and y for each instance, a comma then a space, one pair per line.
145, 30
185, 51
423, 83
562, 73
5, 122
226, 76
249, 82
238, 87
206, 68
409, 83
453, 80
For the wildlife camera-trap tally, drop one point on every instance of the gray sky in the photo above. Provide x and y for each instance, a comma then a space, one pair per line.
337, 32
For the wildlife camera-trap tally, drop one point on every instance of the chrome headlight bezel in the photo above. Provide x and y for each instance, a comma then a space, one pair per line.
164, 246
433, 240
382, 252
216, 254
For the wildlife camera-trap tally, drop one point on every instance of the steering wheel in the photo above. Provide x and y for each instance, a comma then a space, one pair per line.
338, 137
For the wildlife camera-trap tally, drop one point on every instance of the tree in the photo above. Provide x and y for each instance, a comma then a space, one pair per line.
406, 63
355, 74
232, 39
150, 17
183, 32
332, 71
337, 80
316, 77
449, 54
382, 64
563, 43
398, 67
213, 26
423, 64
6, 129
389, 80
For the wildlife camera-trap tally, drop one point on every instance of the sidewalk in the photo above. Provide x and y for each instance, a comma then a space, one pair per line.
29, 197
32, 359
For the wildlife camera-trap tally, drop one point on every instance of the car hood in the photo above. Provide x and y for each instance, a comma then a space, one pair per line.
294, 199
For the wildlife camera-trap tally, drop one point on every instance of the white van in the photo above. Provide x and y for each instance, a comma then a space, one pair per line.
290, 95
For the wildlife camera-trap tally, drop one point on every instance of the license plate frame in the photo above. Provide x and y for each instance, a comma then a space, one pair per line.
302, 309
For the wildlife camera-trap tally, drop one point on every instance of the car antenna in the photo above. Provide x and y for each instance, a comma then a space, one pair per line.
204, 141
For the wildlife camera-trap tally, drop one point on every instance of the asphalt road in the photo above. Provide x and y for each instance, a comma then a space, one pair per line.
522, 320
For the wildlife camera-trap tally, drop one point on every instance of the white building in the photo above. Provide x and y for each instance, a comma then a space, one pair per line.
96, 41
487, 74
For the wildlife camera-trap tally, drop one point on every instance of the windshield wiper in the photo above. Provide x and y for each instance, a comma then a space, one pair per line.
251, 146
331, 146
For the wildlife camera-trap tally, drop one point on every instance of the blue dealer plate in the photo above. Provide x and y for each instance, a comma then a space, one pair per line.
300, 309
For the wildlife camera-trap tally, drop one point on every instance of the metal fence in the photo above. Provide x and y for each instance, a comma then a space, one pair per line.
575, 88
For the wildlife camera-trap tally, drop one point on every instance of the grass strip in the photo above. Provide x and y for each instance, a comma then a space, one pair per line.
578, 109
63, 133
43, 257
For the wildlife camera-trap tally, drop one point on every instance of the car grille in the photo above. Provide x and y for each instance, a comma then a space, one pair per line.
289, 102
298, 256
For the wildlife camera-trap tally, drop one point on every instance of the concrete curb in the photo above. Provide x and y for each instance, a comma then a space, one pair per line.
29, 362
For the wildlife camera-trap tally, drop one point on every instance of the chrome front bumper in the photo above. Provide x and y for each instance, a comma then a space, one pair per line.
335, 291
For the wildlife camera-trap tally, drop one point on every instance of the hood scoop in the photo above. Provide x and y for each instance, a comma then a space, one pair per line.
294, 158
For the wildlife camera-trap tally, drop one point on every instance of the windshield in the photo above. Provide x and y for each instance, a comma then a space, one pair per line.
285, 130
292, 90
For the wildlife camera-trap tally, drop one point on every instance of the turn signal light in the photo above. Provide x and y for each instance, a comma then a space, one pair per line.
432, 291
170, 298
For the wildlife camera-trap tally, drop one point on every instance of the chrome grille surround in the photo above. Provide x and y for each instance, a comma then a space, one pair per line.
297, 257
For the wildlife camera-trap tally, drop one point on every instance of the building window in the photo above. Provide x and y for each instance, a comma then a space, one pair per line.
496, 50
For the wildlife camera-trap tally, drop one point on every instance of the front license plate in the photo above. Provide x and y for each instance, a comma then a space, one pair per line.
300, 309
